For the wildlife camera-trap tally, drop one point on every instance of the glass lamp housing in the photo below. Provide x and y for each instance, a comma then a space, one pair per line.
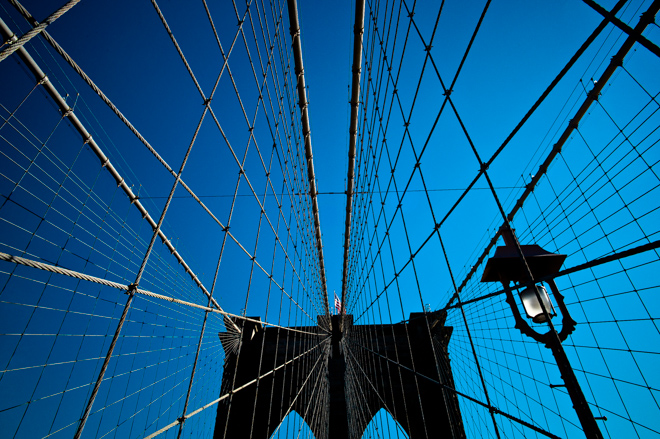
533, 307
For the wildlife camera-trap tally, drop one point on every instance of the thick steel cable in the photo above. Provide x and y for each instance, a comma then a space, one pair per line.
226, 395
183, 416
135, 199
243, 173
82, 276
17, 44
311, 178
359, 26
103, 223
209, 299
264, 39
399, 198
362, 298
96, 220
270, 68
380, 73
571, 62
358, 31
587, 265
633, 33
138, 277
529, 187
67, 175
395, 96
217, 122
406, 124
262, 160
615, 63
105, 162
468, 397
411, 251
552, 214
388, 237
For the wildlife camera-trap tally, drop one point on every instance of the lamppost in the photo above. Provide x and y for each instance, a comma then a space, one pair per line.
525, 264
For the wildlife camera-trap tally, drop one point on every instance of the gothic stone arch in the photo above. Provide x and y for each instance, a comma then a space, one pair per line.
422, 407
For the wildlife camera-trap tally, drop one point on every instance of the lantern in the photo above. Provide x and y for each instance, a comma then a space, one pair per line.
533, 307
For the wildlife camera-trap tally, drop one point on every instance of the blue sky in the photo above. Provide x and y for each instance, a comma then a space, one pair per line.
600, 195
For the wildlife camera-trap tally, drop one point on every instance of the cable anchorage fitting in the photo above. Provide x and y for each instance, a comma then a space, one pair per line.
593, 94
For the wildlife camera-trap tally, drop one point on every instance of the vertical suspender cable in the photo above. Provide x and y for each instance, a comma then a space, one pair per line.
616, 61
40, 76
302, 101
358, 31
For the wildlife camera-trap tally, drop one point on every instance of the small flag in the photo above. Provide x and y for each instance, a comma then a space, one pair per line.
337, 304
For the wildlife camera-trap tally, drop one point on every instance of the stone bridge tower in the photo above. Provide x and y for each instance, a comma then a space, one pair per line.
407, 374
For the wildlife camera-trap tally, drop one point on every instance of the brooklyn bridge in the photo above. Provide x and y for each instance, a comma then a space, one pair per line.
365, 219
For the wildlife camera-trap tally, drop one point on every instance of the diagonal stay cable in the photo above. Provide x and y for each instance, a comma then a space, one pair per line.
17, 44
447, 93
481, 171
592, 96
587, 265
451, 389
535, 106
567, 67
134, 285
302, 387
260, 86
104, 160
633, 33
86, 277
236, 390
226, 139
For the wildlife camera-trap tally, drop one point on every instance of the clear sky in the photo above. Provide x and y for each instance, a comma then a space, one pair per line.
599, 197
